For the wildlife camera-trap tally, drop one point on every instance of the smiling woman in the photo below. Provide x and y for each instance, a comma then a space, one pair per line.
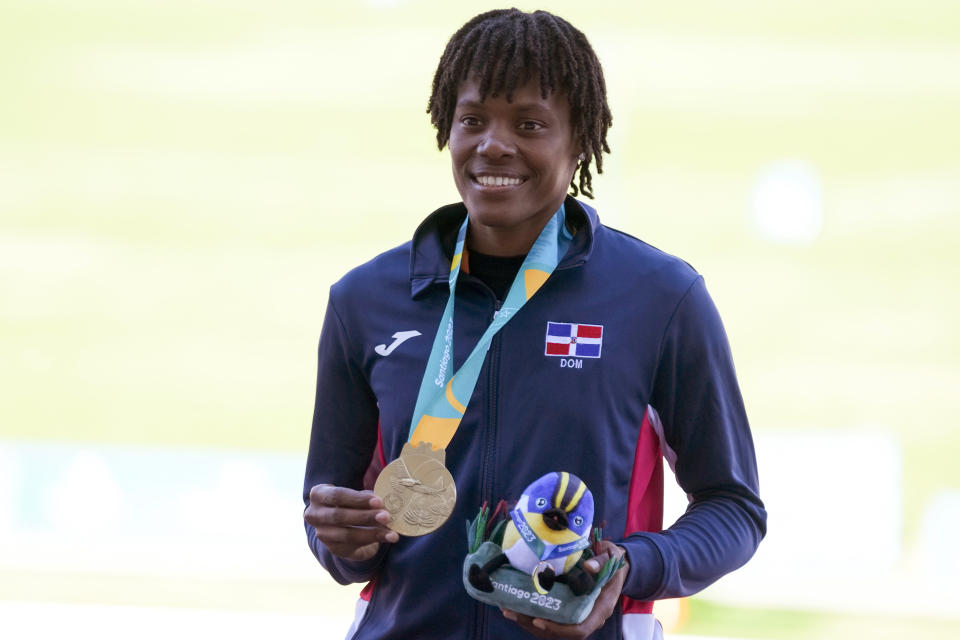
518, 129
520, 285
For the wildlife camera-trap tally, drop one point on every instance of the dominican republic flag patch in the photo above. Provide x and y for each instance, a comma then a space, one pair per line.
570, 340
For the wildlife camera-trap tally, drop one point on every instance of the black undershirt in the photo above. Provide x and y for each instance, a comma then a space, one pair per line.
497, 272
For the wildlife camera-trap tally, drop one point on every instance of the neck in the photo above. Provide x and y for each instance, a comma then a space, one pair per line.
492, 242
507, 241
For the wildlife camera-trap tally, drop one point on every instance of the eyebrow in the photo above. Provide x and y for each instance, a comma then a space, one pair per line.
521, 106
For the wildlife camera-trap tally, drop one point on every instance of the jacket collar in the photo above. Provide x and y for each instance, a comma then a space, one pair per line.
435, 238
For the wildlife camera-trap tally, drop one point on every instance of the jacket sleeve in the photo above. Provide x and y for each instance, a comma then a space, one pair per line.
343, 436
696, 395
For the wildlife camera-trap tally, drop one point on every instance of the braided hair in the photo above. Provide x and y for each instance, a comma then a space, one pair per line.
507, 47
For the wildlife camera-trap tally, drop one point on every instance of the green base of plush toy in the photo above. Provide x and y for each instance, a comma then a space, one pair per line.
514, 590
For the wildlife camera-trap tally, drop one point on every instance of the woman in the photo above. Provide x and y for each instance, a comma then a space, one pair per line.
603, 356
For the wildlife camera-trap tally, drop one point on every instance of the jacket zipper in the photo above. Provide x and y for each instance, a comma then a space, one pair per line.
489, 450
486, 491
487, 475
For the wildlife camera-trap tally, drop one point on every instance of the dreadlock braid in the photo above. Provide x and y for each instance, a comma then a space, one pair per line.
506, 48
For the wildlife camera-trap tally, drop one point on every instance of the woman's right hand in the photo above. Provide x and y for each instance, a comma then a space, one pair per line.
351, 524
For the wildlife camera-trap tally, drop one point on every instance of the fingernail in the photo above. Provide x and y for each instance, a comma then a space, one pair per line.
592, 565
509, 615
539, 624
393, 536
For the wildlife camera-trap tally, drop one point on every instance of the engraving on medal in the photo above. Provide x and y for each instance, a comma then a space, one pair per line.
417, 490
393, 502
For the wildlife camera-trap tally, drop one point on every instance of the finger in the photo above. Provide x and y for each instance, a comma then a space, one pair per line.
329, 495
362, 553
546, 629
593, 565
524, 622
367, 552
607, 550
354, 536
343, 517
519, 618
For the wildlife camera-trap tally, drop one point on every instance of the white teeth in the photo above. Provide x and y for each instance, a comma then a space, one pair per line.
498, 181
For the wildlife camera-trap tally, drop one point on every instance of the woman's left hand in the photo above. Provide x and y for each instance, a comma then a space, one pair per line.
602, 608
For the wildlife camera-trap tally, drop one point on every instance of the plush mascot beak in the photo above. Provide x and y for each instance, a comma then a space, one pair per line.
556, 519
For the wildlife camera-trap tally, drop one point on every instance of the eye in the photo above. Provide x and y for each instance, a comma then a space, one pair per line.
577, 521
541, 502
470, 121
531, 125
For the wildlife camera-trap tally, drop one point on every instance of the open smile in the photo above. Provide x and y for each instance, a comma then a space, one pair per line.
497, 181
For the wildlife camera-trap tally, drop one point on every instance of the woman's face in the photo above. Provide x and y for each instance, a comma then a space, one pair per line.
512, 163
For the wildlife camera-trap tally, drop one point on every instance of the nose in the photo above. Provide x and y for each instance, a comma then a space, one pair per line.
497, 142
555, 519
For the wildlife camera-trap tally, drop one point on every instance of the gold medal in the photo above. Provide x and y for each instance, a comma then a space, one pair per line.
417, 490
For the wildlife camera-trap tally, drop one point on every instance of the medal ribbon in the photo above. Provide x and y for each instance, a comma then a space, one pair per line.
444, 394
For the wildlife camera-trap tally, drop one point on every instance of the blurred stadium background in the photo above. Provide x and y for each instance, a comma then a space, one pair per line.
180, 182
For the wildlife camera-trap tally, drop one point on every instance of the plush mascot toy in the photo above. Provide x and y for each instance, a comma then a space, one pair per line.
546, 535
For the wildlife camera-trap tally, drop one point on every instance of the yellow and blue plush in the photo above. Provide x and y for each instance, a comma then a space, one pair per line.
546, 535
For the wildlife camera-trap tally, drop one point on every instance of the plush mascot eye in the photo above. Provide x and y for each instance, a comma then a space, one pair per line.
577, 521
541, 502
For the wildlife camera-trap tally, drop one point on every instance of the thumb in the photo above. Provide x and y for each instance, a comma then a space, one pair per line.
593, 565
365, 552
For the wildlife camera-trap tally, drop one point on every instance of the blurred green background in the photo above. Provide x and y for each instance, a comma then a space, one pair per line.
180, 183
